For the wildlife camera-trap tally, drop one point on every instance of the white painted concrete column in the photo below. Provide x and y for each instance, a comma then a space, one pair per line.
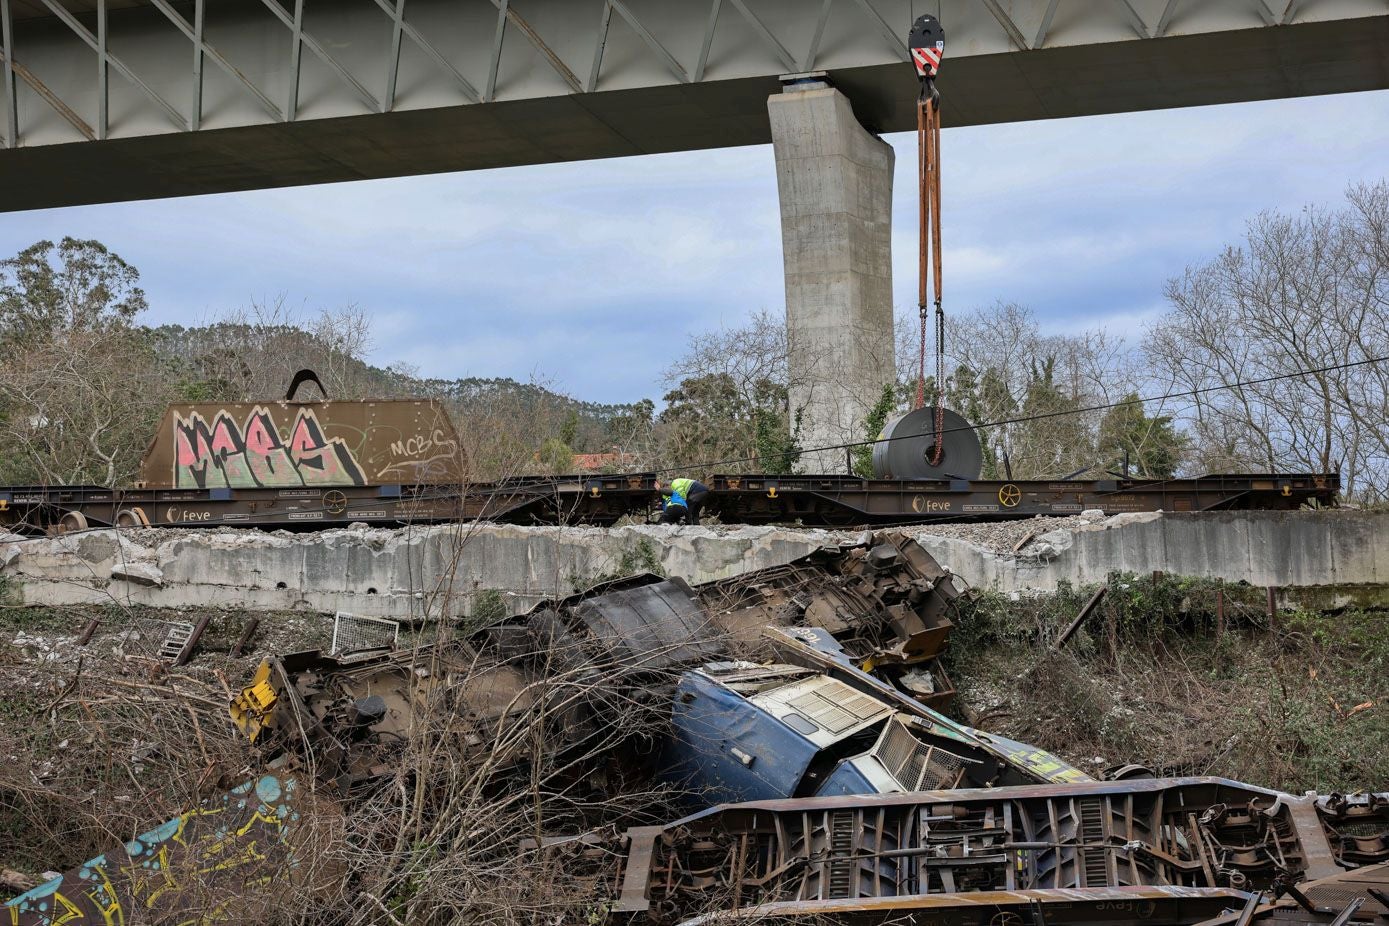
834, 179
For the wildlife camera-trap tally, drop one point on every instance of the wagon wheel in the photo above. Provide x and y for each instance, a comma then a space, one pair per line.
70, 522
1009, 495
132, 517
335, 501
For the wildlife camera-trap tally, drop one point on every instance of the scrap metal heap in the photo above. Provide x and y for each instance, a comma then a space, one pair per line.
805, 698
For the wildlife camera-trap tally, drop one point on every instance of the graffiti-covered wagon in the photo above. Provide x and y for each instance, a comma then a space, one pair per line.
324, 442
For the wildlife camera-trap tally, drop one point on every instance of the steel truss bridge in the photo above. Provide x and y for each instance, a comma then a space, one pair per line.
127, 99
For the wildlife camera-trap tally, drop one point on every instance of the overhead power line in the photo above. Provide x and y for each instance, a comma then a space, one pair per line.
1041, 416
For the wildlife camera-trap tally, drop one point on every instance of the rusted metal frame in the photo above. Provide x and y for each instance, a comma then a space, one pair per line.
1055, 825
86, 636
194, 33
11, 97
1202, 851
893, 37
1135, 20
808, 62
83, 33
1165, 19
650, 40
983, 795
1011, 867
534, 38
23, 73
414, 35
245, 641
199, 629
709, 28
1246, 914
1006, 21
1045, 27
766, 34
489, 93
301, 38
1090, 606
296, 55
103, 72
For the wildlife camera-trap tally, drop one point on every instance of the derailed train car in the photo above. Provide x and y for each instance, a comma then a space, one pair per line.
764, 671
1151, 850
797, 693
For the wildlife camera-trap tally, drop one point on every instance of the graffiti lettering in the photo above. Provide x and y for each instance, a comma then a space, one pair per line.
171, 870
221, 454
428, 455
437, 443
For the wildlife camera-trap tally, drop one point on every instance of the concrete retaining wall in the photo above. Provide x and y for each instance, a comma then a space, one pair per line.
1342, 555
385, 573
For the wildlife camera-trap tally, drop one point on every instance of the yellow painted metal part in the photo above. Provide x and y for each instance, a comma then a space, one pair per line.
250, 710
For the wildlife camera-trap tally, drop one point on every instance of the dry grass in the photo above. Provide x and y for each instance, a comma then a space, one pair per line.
1152, 679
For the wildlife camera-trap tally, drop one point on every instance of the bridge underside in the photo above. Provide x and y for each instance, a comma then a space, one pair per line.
87, 134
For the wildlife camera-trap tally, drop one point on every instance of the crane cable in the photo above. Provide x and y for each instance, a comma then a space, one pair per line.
927, 43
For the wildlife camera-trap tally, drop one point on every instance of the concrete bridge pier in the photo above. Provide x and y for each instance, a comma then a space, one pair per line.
834, 179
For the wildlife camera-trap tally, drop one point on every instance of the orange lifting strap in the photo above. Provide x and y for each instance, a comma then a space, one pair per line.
927, 44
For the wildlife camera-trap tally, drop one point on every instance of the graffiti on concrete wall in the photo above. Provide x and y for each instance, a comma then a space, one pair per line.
241, 838
223, 453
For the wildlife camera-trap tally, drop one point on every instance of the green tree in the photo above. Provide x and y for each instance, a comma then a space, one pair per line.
1153, 446
1052, 440
74, 286
569, 430
983, 398
872, 427
709, 419
80, 384
777, 442
556, 456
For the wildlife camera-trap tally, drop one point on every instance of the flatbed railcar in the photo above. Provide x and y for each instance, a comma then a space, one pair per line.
310, 464
822, 501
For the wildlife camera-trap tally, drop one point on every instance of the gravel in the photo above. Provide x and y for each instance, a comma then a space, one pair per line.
1002, 536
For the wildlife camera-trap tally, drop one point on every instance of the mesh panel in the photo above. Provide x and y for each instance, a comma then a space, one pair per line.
917, 766
1338, 896
352, 632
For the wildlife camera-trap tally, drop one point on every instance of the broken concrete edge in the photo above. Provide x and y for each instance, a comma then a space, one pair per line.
1324, 559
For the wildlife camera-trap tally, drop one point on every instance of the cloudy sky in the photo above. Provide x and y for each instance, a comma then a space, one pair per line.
593, 276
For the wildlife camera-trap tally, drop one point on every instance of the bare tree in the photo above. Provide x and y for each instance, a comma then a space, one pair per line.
730, 399
1001, 366
1302, 293
251, 353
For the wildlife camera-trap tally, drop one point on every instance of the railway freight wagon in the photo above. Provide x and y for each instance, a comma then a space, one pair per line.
293, 445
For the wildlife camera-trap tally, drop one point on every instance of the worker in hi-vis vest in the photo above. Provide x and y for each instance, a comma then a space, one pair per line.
681, 500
